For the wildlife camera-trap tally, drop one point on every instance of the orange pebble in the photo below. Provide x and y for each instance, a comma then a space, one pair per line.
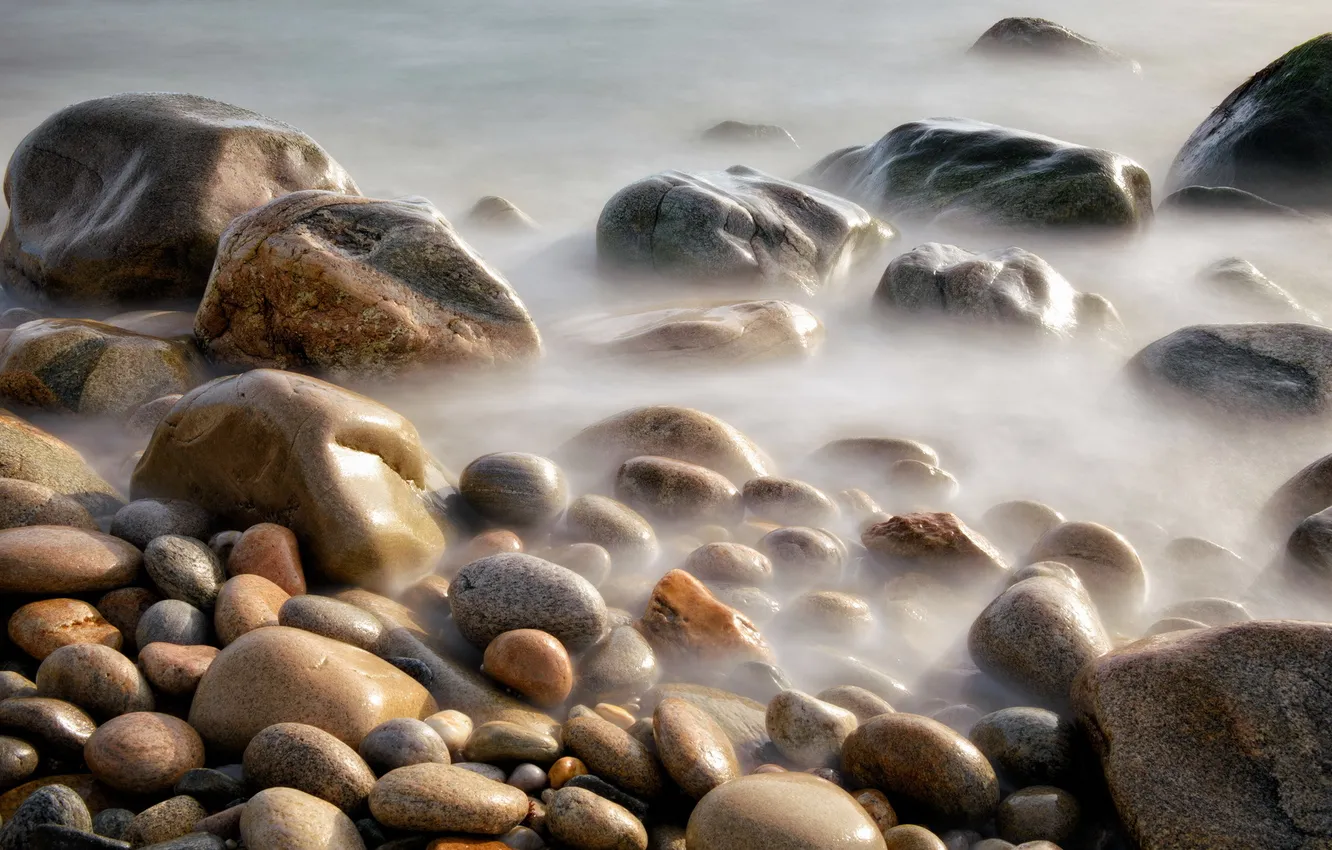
565, 769
270, 551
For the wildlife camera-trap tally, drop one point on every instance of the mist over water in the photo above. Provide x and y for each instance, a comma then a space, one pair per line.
557, 106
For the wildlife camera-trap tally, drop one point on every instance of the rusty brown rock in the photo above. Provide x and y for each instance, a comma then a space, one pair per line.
695, 750
533, 663
96, 678
50, 559
271, 551
25, 503
938, 544
143, 752
246, 603
174, 669
122, 608
686, 624
40, 628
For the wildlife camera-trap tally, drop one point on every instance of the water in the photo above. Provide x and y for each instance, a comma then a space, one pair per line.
556, 106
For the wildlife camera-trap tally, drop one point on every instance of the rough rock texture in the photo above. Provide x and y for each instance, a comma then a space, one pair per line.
516, 591
781, 811
1241, 716
30, 454
1038, 38
970, 172
937, 544
735, 225
123, 198
353, 286
1271, 136
686, 625
1282, 369
304, 757
346, 474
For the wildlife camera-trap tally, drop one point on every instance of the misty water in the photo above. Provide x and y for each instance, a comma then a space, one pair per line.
556, 106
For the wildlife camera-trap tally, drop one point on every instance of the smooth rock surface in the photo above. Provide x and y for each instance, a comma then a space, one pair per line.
30, 454
40, 628
25, 503
98, 679
143, 752
445, 798
685, 624
781, 811
306, 758
696, 752
581, 819
55, 559
808, 731
506, 592
288, 819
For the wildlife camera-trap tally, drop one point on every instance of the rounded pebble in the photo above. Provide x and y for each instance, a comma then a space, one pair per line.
533, 663
402, 741
1038, 813
176, 669
98, 679
808, 731
40, 628
139, 522
693, 748
288, 819
781, 811
583, 820
270, 551
565, 769
307, 758
143, 752
445, 798
172, 621
514, 489
184, 568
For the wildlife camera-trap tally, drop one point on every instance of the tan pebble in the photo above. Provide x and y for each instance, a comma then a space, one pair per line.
458, 842
50, 724
768, 768
565, 769
123, 608
270, 551
394, 615
143, 752
435, 797
694, 749
246, 603
912, 837
533, 663
286, 818
428, 599
576, 817
497, 541
502, 742
97, 678
300, 756
169, 819
14, 684
225, 824
876, 805
454, 727
174, 669
613, 754
781, 811
40, 628
615, 714
52, 559
25, 503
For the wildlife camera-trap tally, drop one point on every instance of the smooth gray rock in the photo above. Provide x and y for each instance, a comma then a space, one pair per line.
400, 742
332, 618
1042, 39
184, 568
50, 804
143, 520
1028, 746
173, 621
620, 663
500, 593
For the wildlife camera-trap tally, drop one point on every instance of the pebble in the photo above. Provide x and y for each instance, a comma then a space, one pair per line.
666, 836
113, 823
304, 757
53, 804
616, 527
588, 560
50, 836
912, 837
565, 769
402, 741
808, 731
176, 669
39, 628
939, 545
172, 818
97, 678
143, 752
172, 621
56, 559
506, 592
141, 521
245, 603
615, 714
686, 625
678, 493
454, 727
24, 503
829, 613
781, 811
696, 752
271, 551
496, 541
876, 805
500, 741
583, 820
621, 664
14, 684
613, 754
1172, 624
288, 819
756, 604
489, 771
533, 663
1027, 746
18, 761
215, 789
223, 543
144, 420
445, 798
393, 615
528, 778
860, 702
124, 608
184, 568
511, 489
1038, 813
1016, 526
1105, 562
802, 557
787, 501
959, 718
730, 562
522, 838
1209, 610
53, 725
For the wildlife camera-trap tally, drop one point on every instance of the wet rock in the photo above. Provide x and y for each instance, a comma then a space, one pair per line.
1105, 562
53, 804
401, 741
184, 568
40, 628
270, 551
1036, 636
279, 675
933, 771
112, 823
1015, 526
454, 728
54, 726
514, 490
1039, 813
533, 663
54, 559
304, 757
808, 731
1209, 610
1241, 283
828, 613
913, 483
589, 560
696, 752
564, 770
613, 754
685, 624
144, 520
1268, 135
1225, 201
1013, 178
169, 819
86, 367
96, 678
18, 761
738, 224
729, 562
143, 752
246, 603
506, 592
333, 619
214, 788
165, 324
622, 662
862, 703
741, 718
445, 798
503, 742
912, 837
498, 213
1027, 746
937, 544
24, 503
28, 453
614, 526
787, 501
528, 778
1306, 493
866, 461
176, 669
803, 557
781, 811
678, 492
288, 818
1041, 39
876, 805
173, 621
742, 132
757, 681
583, 820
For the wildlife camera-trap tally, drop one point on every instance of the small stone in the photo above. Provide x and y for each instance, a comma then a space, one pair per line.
40, 628
333, 619
1107, 564
617, 528
246, 603
860, 702
613, 754
392, 614
506, 592
583, 820
1210, 610
143, 752
1172, 624
876, 805
959, 718
615, 714
176, 669
223, 543
445, 798
528, 778
307, 758
184, 568
685, 624
50, 836
53, 725
169, 819
589, 560
24, 503
213, 788
113, 823
13, 684
270, 551
1027, 746
402, 741
515, 490
696, 752
124, 608
52, 804
730, 562
808, 731
829, 613
1039, 813
787, 501
912, 837
489, 771
498, 213
496, 541
500, 741
142, 521
533, 663
58, 559
173, 621
454, 728
1016, 526
781, 811
293, 820
146, 417
18, 761
677, 492
96, 678
621, 663
803, 557
936, 544
565, 769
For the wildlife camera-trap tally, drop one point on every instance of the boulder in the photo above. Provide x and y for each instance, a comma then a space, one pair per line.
1041, 39
122, 199
1216, 737
738, 225
347, 475
1240, 283
969, 172
1225, 201
30, 454
743, 132
1271, 136
345, 285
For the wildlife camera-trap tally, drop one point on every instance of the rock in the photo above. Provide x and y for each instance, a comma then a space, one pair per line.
333, 619
876, 805
288, 819
364, 523
1210, 610
40, 628
613, 754
174, 168
1013, 178
936, 544
320, 281
506, 592
1105, 562
740, 225
1225, 201
164, 324
52, 836
1016, 525
53, 804
393, 615
445, 798
184, 568
280, 675
112, 823
271, 551
169, 819
514, 490
828, 613
866, 461
1036, 636
1039, 813
23, 503
617, 528
143, 752
498, 213
1172, 624
1244, 709
401, 741
216, 789
808, 731
144, 520
18, 761
172, 621
96, 678
56, 727
678, 433
146, 417
565, 769
246, 603
695, 750
860, 702
740, 717
914, 484
304, 757
803, 557
1240, 282
926, 768
1308, 559
533, 663
912, 837
677, 492
589, 560
86, 367
583, 820
742, 132
54, 559
709, 333
685, 624
1040, 39
454, 728
1308, 492
28, 453
124, 608
729, 562
620, 663
502, 742
1027, 746
1269, 135
787, 501
781, 811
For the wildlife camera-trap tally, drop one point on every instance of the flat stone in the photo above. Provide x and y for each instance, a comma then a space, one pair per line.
184, 568
24, 503
306, 758
246, 603
506, 592
445, 798
740, 717
293, 820
781, 811
175, 669
214, 788
271, 551
143, 752
696, 752
581, 819
96, 678
53, 559
502, 742
40, 628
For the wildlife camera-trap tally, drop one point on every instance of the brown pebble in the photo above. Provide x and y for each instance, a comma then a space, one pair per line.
14, 684
565, 769
246, 603
686, 624
48, 723
458, 842
143, 752
40, 628
52, 559
876, 805
729, 562
96, 678
26, 503
304, 757
497, 541
271, 551
169, 819
123, 608
912, 837
693, 747
18, 761
225, 824
614, 714
454, 727
174, 669
533, 663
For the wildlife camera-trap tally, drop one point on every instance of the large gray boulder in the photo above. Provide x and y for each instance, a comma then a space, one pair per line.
954, 170
1045, 40
122, 199
1272, 136
737, 225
